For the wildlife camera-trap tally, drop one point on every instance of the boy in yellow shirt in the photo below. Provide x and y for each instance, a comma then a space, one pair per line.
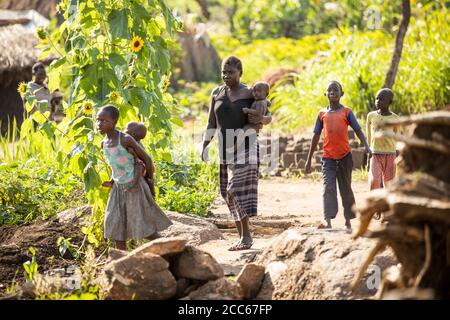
382, 161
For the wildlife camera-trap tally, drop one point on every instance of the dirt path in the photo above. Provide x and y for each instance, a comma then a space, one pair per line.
297, 200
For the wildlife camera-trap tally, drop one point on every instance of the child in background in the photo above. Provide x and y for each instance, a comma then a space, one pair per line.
337, 163
129, 215
382, 160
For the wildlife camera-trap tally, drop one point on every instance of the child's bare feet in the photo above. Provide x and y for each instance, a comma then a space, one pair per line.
326, 225
348, 225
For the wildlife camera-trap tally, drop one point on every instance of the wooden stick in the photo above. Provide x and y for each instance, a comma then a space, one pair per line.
419, 143
428, 256
436, 117
380, 246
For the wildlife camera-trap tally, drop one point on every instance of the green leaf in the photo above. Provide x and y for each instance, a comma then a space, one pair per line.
31, 101
177, 121
118, 24
91, 177
40, 117
58, 63
76, 149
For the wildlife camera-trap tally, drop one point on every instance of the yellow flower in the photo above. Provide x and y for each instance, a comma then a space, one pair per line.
114, 96
136, 44
88, 107
41, 33
22, 88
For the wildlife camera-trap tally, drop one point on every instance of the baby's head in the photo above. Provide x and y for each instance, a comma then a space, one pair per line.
260, 90
137, 130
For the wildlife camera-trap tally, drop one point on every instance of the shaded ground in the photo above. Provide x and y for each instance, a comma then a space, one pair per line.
42, 236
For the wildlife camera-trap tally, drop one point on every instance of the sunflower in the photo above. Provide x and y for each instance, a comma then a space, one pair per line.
41, 33
136, 44
22, 88
114, 96
88, 107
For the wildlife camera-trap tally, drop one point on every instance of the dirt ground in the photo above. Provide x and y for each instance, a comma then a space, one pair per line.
279, 198
42, 236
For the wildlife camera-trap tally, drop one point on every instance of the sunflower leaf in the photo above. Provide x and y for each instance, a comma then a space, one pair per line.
118, 24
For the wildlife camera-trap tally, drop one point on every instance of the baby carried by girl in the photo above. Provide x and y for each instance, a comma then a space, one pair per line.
131, 211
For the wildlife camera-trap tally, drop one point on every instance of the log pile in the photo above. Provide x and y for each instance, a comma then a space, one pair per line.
416, 209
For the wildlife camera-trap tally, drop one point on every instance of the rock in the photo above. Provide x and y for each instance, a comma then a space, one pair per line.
220, 289
192, 228
162, 246
301, 164
182, 285
318, 157
298, 146
196, 264
354, 144
141, 276
250, 279
312, 263
115, 254
200, 60
351, 134
287, 159
358, 156
282, 147
76, 216
301, 156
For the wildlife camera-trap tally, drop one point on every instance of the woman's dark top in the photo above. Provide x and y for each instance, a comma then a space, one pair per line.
228, 115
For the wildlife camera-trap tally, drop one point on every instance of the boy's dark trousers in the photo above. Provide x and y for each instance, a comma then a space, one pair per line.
342, 171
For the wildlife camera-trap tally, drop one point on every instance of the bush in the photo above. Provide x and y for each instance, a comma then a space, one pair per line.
34, 190
360, 60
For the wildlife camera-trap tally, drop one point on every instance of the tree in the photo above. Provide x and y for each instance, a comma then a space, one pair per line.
204, 7
115, 52
393, 69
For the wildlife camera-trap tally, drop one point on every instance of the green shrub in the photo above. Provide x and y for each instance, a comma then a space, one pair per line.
32, 190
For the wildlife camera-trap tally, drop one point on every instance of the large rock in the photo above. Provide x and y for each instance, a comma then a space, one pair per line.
76, 216
250, 279
319, 264
220, 289
142, 276
196, 264
162, 246
288, 159
359, 158
192, 228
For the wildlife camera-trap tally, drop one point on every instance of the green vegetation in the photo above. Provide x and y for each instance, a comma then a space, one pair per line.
34, 189
101, 60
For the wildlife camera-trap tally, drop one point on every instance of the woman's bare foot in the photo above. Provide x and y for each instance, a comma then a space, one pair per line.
245, 244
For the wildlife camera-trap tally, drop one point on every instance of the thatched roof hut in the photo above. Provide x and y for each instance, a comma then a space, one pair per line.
17, 56
47, 8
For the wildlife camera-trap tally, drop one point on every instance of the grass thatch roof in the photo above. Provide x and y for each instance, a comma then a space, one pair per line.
45, 7
17, 53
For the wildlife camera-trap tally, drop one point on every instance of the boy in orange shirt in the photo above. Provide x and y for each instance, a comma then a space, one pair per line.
337, 163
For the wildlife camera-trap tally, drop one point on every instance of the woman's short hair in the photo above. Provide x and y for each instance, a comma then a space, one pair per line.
233, 61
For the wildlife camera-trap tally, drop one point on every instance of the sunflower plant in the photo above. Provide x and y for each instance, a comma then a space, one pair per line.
117, 53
